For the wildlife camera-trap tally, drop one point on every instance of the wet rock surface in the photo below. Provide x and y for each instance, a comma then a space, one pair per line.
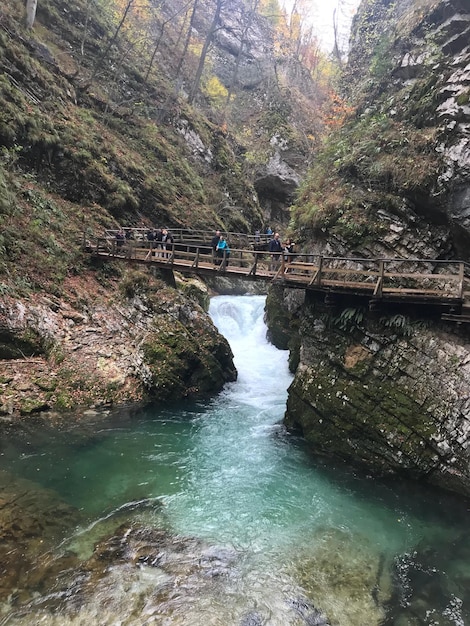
180, 570
392, 397
32, 520
96, 348
422, 590
171, 573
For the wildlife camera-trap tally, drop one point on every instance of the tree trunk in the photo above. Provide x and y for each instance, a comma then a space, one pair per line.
101, 59
31, 6
336, 49
187, 40
154, 53
205, 50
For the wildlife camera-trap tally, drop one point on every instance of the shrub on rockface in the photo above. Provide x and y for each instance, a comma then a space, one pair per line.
369, 164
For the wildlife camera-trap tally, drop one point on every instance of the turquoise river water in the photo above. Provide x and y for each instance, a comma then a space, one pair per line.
268, 535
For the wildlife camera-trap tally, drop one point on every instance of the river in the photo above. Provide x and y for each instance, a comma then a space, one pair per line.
212, 514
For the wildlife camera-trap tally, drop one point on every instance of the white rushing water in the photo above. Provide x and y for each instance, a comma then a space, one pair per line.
262, 535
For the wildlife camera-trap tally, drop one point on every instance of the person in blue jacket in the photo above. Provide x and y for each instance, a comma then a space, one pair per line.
223, 251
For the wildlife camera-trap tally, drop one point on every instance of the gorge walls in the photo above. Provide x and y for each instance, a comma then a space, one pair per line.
389, 390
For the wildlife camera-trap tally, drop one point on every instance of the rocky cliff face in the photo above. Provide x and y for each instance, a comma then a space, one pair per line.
428, 83
395, 179
391, 391
274, 93
96, 132
132, 340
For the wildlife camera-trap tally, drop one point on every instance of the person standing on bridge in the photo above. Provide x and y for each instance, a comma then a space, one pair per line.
214, 244
215, 240
223, 252
167, 242
288, 248
158, 241
120, 238
275, 248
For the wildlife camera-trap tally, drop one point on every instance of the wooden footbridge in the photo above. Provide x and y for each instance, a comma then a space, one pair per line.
440, 286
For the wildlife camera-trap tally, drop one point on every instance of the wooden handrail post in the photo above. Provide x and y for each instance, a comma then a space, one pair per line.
254, 266
461, 280
380, 280
318, 276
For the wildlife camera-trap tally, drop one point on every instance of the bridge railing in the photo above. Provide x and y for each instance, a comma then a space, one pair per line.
378, 278
381, 277
249, 262
194, 236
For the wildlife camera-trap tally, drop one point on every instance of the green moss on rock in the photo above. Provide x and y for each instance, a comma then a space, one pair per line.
375, 423
277, 319
367, 396
19, 345
186, 361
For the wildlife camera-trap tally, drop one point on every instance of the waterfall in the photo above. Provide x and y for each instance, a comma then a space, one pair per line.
263, 374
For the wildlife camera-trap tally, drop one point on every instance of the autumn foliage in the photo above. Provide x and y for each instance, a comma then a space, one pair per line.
336, 111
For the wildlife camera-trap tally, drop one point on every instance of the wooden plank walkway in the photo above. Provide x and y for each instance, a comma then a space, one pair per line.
444, 285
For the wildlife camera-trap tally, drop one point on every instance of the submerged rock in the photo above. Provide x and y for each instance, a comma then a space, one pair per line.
134, 571
422, 589
342, 573
252, 619
309, 614
32, 521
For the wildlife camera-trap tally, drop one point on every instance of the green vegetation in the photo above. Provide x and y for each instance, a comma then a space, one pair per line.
385, 156
99, 153
402, 325
371, 163
371, 420
349, 318
96, 130
182, 362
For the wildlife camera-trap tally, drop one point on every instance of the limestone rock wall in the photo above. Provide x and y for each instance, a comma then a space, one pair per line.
390, 393
131, 341
408, 141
